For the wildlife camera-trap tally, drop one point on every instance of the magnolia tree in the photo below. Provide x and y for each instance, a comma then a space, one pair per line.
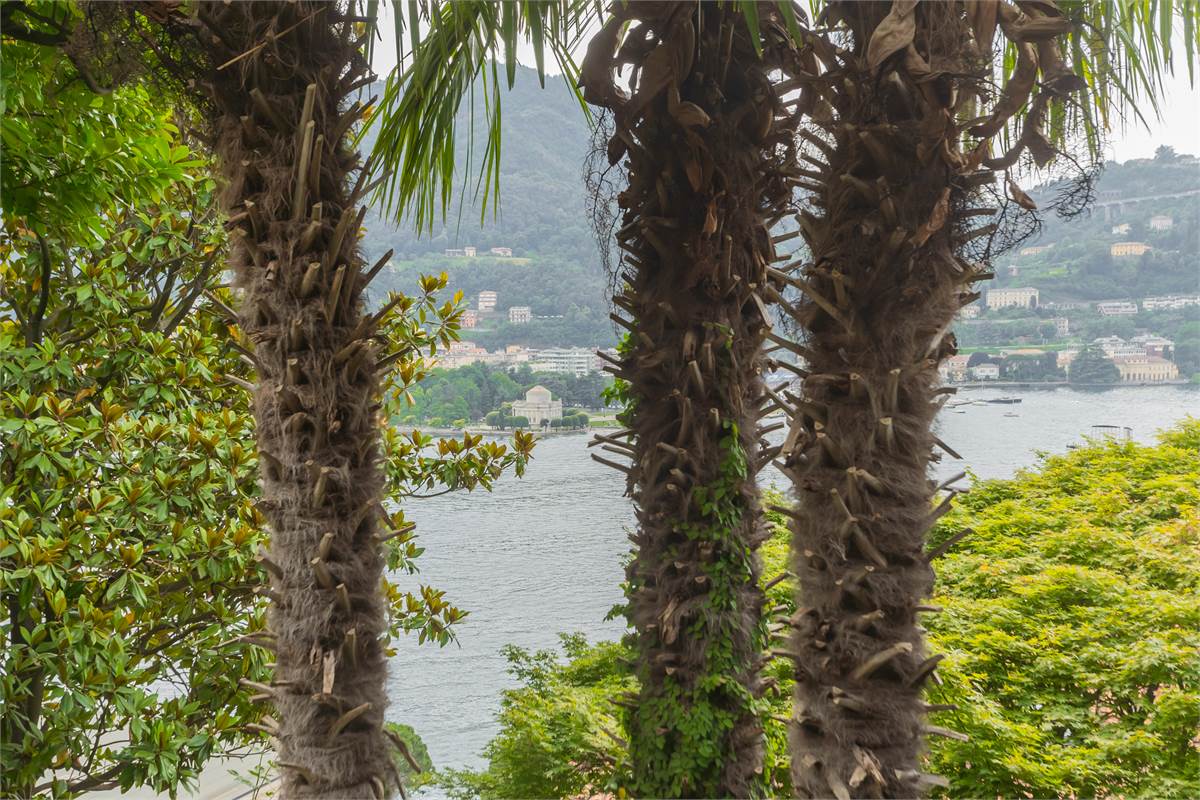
134, 604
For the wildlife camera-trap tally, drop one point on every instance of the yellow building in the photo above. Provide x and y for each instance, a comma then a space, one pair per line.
1125, 249
1146, 369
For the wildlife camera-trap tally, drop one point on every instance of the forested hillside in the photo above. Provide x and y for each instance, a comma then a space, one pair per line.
1070, 260
541, 217
556, 270
541, 210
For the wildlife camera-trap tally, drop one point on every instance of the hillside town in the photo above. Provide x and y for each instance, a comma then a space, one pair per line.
577, 361
1119, 284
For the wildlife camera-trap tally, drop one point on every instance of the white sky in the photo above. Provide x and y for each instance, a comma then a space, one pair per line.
1178, 125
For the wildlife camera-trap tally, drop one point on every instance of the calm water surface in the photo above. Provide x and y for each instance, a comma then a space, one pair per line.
542, 555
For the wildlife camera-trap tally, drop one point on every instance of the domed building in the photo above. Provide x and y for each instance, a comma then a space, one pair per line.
538, 407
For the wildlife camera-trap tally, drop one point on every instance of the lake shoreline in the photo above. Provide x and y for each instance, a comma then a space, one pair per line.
1037, 386
1064, 385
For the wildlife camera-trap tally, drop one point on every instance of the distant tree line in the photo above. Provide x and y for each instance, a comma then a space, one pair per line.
469, 394
1040, 367
504, 420
1093, 366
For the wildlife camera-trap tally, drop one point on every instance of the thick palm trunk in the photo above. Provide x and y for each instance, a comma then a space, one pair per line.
281, 117
879, 295
705, 158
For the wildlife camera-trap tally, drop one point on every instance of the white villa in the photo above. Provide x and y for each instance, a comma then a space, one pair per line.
537, 406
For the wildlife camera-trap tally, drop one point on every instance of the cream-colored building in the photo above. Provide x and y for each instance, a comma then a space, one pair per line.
1127, 249
1161, 222
1117, 308
954, 369
487, 301
1171, 301
1146, 369
1006, 298
985, 372
577, 361
538, 407
520, 315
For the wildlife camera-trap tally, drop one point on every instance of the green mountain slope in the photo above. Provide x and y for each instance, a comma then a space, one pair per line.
1071, 259
557, 272
541, 209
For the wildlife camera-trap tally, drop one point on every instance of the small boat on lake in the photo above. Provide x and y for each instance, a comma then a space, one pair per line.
1005, 400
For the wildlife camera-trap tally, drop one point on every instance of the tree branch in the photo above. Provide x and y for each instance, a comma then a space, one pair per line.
34, 335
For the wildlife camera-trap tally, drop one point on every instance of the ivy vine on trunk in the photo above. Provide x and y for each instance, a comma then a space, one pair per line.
708, 146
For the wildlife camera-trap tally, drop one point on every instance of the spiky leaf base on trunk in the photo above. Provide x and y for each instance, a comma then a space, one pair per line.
889, 271
707, 160
281, 117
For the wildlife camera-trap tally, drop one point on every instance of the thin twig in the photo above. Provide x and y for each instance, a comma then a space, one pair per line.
263, 43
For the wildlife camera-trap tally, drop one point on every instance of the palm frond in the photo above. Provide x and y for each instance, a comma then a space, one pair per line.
1122, 49
454, 46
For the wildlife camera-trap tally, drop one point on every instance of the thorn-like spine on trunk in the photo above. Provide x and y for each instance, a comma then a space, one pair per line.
876, 661
889, 433
613, 464
300, 194
264, 107
366, 279
335, 294
350, 646
341, 722
321, 573
867, 547
262, 558
319, 486
309, 282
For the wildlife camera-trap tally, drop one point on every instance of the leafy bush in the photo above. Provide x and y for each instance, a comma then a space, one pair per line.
1071, 623
558, 730
413, 778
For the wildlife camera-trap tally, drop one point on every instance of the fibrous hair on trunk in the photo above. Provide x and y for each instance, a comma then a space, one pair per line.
276, 94
709, 152
891, 238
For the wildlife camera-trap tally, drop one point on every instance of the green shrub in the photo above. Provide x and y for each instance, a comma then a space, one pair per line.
1071, 626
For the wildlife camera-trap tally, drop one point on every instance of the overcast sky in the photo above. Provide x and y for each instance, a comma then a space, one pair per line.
1178, 126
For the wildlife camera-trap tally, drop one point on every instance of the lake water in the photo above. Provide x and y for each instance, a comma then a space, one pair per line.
542, 555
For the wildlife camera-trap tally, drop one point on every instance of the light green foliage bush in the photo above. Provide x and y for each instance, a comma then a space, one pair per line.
1071, 628
559, 730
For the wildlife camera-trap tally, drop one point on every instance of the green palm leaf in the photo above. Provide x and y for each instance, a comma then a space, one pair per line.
460, 47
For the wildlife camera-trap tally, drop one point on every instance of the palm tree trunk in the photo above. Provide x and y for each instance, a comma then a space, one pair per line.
884, 283
706, 159
281, 117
